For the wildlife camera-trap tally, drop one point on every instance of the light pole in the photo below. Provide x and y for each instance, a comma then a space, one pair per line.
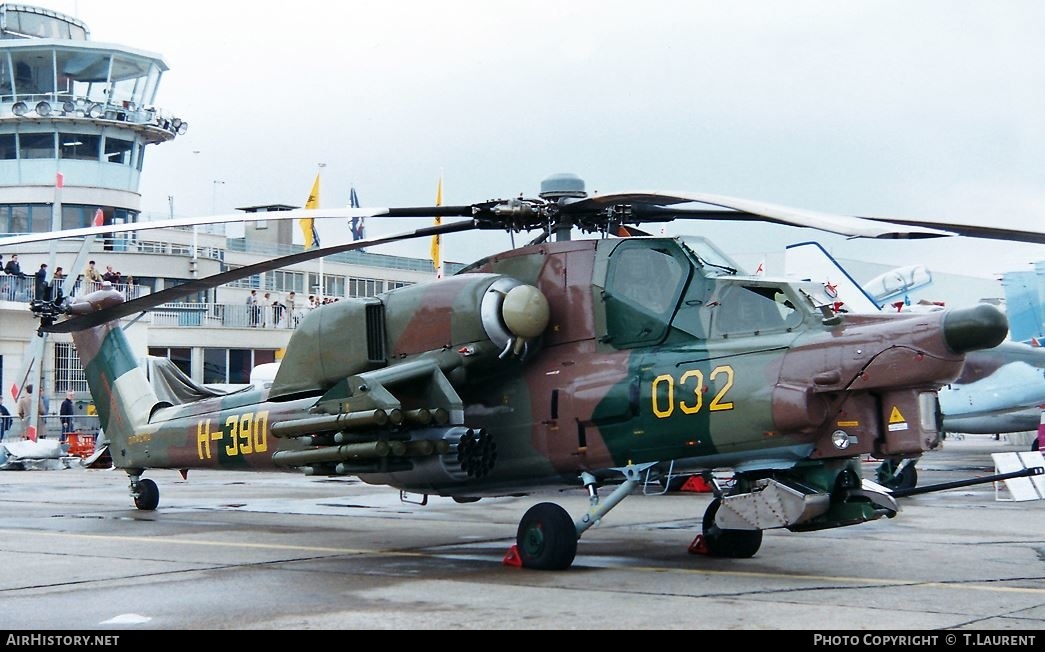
214, 195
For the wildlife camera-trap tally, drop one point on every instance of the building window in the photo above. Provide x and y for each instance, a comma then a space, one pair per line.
68, 372
181, 357
118, 151
333, 286
8, 147
285, 281
252, 282
232, 366
83, 147
365, 287
36, 145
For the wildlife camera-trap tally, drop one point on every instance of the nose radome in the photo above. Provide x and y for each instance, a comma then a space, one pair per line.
971, 329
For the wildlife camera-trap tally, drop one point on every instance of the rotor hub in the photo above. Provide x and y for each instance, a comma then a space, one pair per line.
562, 185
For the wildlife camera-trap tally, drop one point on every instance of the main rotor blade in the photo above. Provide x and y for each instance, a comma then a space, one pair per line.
842, 224
974, 231
150, 301
297, 214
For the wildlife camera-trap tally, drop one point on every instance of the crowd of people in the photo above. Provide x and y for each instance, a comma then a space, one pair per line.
49, 287
268, 311
24, 410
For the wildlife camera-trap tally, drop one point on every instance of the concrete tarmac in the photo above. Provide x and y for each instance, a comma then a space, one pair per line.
230, 550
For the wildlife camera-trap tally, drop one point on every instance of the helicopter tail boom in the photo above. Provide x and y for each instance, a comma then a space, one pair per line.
119, 388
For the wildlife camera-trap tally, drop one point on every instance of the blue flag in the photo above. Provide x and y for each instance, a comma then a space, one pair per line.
358, 227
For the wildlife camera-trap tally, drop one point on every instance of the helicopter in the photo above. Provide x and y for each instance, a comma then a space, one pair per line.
591, 363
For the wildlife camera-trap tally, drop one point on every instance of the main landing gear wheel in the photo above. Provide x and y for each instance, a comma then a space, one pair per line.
739, 544
547, 538
148, 497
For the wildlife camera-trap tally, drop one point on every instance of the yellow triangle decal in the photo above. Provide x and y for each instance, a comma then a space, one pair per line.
896, 417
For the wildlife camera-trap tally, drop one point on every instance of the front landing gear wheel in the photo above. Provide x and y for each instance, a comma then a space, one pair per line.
906, 477
147, 497
739, 544
547, 538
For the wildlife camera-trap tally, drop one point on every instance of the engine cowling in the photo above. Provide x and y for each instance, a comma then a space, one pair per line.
483, 317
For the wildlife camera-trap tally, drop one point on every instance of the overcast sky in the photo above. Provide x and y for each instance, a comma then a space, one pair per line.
929, 109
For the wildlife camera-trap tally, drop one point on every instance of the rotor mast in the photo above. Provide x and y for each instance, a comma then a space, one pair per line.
558, 189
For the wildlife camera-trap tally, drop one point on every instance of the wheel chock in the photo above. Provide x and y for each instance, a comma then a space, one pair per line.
696, 484
512, 558
698, 547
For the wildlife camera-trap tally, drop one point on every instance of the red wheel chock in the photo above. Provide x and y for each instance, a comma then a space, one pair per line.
512, 558
696, 484
698, 547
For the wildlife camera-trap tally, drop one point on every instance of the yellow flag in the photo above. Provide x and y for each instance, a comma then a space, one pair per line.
308, 228
435, 238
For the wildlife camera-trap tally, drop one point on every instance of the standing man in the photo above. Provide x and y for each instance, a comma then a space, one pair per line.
252, 308
292, 300
67, 411
90, 274
25, 409
13, 267
41, 283
5, 420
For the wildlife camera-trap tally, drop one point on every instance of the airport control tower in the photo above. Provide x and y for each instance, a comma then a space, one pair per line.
75, 107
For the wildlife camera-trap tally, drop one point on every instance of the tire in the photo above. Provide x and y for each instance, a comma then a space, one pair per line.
547, 538
148, 497
737, 544
907, 478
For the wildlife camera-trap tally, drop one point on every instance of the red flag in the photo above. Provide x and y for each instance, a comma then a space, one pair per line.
30, 433
14, 391
99, 217
59, 180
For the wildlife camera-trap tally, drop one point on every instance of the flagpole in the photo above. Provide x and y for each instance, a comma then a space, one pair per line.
437, 255
322, 286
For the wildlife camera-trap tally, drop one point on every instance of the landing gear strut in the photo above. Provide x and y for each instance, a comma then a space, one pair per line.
547, 536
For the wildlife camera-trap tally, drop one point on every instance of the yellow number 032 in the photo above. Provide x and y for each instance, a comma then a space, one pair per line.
696, 377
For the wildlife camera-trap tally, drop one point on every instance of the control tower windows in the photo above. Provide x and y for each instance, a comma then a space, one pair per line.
8, 147
82, 147
36, 145
118, 151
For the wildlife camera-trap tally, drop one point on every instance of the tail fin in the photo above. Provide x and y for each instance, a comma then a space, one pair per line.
810, 261
1024, 299
122, 394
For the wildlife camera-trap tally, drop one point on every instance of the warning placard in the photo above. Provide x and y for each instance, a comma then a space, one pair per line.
896, 420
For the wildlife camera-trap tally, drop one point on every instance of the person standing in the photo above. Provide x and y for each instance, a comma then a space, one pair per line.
25, 409
292, 299
252, 308
5, 421
90, 274
42, 291
13, 267
266, 309
67, 411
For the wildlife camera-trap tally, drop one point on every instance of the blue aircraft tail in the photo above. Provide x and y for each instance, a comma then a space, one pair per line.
1024, 301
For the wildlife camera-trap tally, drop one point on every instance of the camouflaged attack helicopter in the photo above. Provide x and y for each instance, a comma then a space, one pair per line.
588, 363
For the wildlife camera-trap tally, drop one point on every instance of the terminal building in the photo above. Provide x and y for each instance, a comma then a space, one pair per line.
77, 119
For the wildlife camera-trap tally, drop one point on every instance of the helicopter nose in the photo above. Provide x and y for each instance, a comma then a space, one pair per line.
972, 329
